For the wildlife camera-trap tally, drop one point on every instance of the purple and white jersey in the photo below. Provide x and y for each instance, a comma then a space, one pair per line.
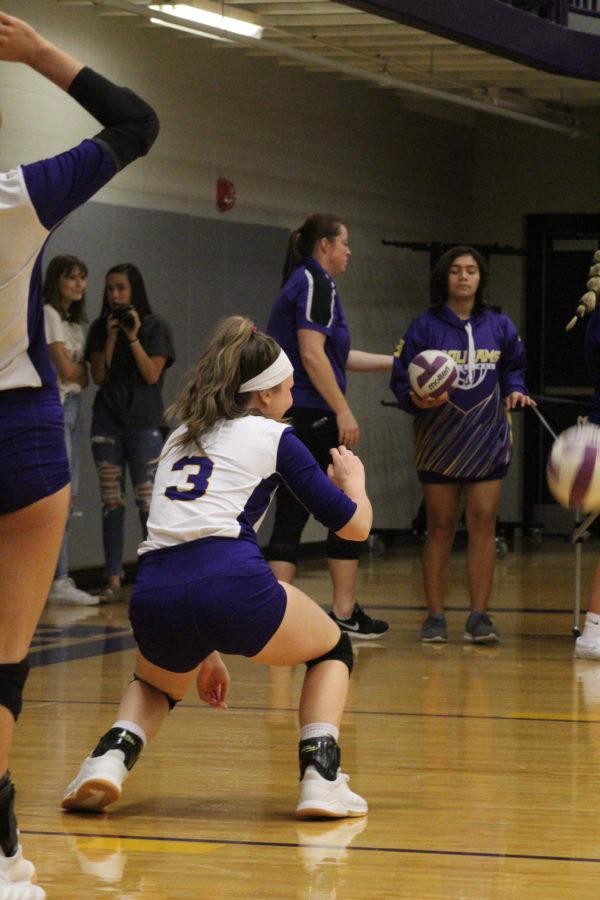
34, 199
470, 435
225, 489
309, 299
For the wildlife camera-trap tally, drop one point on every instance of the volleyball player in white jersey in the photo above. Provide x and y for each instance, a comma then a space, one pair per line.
204, 586
34, 470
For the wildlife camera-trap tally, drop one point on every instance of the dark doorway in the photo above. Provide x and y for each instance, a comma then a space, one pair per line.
559, 255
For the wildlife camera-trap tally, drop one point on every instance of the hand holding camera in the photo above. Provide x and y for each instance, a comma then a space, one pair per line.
127, 319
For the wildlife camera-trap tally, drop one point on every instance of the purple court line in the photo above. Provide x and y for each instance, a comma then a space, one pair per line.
353, 712
52, 655
494, 610
293, 845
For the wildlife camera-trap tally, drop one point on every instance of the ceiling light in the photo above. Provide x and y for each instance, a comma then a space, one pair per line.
210, 14
194, 31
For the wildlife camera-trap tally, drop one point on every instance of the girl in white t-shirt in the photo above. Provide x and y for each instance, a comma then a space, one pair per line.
64, 310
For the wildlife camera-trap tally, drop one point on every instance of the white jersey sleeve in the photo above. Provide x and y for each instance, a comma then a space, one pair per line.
222, 491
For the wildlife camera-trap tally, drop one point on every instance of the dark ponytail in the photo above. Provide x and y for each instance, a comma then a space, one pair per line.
303, 241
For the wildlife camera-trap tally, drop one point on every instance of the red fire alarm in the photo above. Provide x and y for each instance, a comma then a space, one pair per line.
225, 194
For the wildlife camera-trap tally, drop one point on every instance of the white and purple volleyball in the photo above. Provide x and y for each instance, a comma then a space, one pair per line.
432, 372
573, 469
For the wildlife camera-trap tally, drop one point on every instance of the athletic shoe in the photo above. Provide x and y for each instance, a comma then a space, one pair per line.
434, 629
328, 799
19, 890
479, 629
98, 782
17, 868
586, 649
64, 590
360, 625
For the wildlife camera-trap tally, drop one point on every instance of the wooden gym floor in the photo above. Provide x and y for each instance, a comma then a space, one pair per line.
478, 763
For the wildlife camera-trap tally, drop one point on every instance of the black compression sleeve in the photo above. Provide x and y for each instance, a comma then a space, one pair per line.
130, 124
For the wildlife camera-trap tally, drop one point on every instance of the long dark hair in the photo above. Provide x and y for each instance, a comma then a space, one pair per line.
139, 297
236, 353
302, 242
58, 267
441, 271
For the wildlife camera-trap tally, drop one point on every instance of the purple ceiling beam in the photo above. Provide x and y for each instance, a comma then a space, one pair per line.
498, 28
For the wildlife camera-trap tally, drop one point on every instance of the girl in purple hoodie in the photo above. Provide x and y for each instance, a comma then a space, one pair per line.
463, 443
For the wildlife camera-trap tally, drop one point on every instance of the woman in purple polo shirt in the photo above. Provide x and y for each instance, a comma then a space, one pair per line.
308, 322
463, 444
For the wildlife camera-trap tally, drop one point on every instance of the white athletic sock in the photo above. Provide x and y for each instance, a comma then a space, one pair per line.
319, 729
133, 728
591, 629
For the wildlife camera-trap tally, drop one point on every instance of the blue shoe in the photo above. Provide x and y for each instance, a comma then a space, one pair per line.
434, 629
479, 629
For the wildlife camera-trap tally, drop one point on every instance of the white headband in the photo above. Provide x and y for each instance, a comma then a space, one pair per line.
275, 374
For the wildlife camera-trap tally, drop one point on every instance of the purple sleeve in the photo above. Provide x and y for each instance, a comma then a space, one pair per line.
408, 347
58, 185
315, 303
513, 362
302, 474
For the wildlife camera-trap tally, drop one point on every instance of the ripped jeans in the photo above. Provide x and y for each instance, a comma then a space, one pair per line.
114, 447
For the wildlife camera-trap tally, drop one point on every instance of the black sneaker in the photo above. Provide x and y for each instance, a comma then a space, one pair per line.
361, 625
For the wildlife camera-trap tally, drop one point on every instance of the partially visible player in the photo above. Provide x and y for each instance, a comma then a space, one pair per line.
34, 470
203, 585
587, 646
463, 444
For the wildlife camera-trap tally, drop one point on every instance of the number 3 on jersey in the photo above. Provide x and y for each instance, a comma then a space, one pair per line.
198, 475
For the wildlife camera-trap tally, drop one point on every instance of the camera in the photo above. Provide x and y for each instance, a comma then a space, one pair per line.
123, 314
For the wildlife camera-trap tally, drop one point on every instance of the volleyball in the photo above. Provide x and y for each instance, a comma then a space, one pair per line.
573, 469
432, 372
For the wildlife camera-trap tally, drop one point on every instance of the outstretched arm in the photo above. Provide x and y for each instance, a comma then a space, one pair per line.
360, 361
19, 42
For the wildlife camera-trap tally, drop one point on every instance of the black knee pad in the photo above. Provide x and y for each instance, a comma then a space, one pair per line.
282, 553
12, 681
339, 548
170, 700
341, 651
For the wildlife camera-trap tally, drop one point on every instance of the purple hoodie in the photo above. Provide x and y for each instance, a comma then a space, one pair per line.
469, 436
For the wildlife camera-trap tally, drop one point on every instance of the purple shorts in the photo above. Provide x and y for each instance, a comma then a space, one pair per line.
205, 595
33, 455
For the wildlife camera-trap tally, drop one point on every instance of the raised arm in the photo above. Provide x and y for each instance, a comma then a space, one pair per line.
60, 184
19, 42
